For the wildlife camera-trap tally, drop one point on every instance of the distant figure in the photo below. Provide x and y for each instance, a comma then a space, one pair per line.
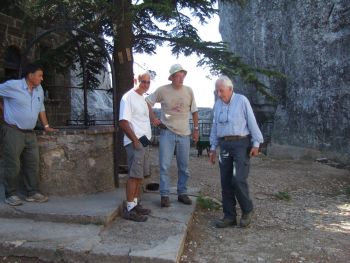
135, 122
235, 130
177, 102
23, 102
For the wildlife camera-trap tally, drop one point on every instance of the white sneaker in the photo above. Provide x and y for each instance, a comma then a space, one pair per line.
37, 197
13, 200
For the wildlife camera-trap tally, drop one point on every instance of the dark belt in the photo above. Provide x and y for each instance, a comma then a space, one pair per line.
162, 126
234, 137
15, 127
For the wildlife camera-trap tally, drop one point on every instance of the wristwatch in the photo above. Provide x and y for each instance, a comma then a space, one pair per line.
47, 126
196, 128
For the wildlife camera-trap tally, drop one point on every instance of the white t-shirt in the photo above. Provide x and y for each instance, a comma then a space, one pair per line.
134, 109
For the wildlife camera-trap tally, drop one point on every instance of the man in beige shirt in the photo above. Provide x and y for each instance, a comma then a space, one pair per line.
177, 102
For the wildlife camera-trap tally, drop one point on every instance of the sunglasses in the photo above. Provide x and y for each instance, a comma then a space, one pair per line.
145, 82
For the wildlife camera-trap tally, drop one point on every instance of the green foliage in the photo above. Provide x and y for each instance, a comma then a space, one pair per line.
284, 196
347, 191
154, 23
206, 202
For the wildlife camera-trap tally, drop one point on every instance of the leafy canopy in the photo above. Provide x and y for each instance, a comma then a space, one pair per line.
154, 23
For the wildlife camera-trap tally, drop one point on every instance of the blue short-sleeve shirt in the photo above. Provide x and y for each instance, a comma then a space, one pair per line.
21, 107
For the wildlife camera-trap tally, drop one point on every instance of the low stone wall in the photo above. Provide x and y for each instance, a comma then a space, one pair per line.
76, 161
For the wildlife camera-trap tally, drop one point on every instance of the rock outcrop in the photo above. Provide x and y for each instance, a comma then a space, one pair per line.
308, 41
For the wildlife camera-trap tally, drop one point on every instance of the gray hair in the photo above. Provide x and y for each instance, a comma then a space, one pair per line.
145, 73
226, 81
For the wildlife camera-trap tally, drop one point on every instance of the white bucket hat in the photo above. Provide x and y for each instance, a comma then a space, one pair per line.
176, 68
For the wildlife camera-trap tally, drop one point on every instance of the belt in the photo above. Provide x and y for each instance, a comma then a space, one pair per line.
162, 126
234, 137
19, 129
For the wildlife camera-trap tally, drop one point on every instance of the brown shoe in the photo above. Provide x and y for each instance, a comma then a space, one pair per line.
133, 215
164, 201
184, 199
141, 210
246, 219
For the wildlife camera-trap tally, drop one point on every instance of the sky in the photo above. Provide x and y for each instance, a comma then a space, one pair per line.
198, 78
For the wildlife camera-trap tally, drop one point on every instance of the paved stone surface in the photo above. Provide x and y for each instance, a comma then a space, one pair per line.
100, 208
159, 239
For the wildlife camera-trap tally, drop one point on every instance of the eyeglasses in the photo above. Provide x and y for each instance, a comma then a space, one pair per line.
145, 82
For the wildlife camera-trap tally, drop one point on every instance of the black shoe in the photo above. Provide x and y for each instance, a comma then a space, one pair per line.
164, 201
184, 199
246, 219
133, 215
141, 210
226, 222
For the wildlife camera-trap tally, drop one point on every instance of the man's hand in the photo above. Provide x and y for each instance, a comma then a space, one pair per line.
195, 136
254, 152
49, 129
156, 121
212, 157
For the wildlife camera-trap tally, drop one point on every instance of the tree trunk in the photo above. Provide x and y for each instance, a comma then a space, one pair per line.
123, 62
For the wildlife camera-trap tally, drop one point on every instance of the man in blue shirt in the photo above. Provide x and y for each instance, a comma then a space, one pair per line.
23, 102
237, 133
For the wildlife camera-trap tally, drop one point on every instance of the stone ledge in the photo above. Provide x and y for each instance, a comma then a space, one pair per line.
99, 209
72, 130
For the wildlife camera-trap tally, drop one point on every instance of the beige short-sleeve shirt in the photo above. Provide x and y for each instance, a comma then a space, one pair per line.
176, 106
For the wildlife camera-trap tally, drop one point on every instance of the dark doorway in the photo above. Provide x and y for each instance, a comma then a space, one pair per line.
12, 62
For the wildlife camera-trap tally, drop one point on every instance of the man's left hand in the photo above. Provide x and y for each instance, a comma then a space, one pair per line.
49, 129
195, 136
254, 152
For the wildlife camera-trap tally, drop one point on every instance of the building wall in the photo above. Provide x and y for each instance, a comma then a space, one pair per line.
308, 41
57, 101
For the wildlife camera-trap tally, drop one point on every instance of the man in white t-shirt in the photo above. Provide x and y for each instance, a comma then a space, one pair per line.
135, 122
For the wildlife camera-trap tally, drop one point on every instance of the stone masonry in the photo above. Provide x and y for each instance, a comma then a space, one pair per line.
308, 41
74, 162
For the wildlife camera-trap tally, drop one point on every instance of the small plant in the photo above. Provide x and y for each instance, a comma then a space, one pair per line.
285, 196
206, 202
347, 191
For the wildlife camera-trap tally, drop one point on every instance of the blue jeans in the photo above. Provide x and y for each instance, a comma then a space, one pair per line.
234, 169
168, 142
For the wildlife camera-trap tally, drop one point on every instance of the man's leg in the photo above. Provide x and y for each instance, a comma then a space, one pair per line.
135, 164
166, 152
242, 160
30, 158
13, 146
227, 188
182, 159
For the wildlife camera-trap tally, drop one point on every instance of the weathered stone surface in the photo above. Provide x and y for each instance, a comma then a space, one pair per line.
308, 41
76, 162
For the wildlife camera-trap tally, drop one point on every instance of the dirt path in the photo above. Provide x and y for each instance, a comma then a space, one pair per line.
313, 226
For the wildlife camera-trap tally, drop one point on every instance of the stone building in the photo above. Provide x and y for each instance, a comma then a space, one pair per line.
14, 38
309, 42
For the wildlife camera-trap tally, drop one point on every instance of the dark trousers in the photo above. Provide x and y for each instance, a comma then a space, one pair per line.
234, 169
20, 151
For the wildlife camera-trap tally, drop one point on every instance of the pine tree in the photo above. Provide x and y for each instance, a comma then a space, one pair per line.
138, 26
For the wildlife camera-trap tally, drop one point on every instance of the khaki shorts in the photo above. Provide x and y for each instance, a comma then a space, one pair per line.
138, 161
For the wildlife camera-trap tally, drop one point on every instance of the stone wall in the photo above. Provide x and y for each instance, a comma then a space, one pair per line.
12, 35
76, 162
308, 41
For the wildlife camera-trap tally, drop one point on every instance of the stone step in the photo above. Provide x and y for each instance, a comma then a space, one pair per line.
160, 239
99, 208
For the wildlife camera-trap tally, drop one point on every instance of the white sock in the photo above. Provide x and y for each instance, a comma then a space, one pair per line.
130, 205
135, 200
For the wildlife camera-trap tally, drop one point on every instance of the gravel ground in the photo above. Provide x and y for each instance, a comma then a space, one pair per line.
312, 226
